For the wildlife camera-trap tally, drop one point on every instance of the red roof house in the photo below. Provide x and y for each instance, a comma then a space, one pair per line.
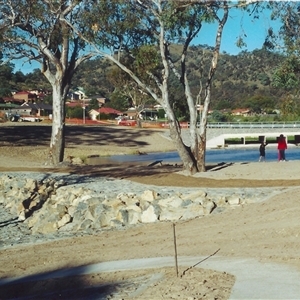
109, 111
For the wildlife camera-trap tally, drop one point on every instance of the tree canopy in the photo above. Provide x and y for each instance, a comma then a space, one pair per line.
38, 30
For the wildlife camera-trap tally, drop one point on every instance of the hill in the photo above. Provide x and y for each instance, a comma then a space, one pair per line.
239, 80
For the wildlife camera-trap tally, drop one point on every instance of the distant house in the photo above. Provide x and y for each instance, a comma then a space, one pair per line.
7, 106
76, 94
131, 113
143, 112
241, 112
35, 109
111, 112
25, 96
11, 102
101, 100
73, 104
73, 96
8, 100
13, 91
93, 114
40, 94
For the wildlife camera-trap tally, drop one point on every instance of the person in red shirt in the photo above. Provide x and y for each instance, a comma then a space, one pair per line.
281, 146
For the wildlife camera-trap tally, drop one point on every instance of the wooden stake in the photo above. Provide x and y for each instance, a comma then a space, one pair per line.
175, 249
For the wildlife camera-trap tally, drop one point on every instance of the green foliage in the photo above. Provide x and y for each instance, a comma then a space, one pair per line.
289, 108
5, 92
218, 116
98, 77
259, 103
119, 101
230, 90
93, 104
48, 99
287, 75
75, 112
146, 59
264, 79
161, 114
240, 43
6, 73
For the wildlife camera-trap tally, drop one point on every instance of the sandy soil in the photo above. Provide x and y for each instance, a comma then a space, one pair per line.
267, 231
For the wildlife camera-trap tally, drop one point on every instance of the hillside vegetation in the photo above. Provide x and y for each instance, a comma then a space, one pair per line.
241, 81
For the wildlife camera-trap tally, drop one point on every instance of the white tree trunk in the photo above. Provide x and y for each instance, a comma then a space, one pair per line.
57, 143
189, 164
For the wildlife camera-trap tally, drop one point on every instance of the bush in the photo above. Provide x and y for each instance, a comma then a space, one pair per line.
75, 112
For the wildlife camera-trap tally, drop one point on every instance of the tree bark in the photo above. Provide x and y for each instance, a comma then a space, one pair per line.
189, 163
57, 142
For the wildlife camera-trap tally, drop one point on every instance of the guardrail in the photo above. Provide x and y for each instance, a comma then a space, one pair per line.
253, 125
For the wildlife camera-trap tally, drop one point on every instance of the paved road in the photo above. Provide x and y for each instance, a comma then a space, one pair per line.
254, 280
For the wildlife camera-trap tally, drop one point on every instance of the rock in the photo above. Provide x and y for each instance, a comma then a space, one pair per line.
234, 200
149, 195
171, 202
221, 201
86, 224
104, 220
30, 184
49, 205
194, 196
193, 211
209, 207
45, 228
22, 216
115, 203
149, 215
171, 214
134, 217
64, 220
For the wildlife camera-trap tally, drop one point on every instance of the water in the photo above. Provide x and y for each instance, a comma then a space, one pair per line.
212, 156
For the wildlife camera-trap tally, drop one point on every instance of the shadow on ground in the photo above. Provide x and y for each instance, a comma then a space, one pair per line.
66, 283
39, 135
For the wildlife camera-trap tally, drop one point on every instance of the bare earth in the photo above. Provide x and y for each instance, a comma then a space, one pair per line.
267, 231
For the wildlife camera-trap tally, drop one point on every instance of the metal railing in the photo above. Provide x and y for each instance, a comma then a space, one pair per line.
253, 125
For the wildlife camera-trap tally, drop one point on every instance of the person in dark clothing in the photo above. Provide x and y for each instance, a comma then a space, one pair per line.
262, 151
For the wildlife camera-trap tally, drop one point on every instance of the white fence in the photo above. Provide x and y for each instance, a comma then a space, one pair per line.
253, 125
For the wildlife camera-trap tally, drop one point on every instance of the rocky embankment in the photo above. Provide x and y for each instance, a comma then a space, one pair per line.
37, 207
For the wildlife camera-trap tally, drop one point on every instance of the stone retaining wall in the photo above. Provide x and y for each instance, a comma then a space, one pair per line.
50, 205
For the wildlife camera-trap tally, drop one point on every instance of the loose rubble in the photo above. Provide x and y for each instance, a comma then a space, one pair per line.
47, 206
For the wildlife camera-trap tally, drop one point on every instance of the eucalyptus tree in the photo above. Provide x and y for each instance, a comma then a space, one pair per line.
149, 39
140, 44
6, 76
127, 88
38, 30
287, 42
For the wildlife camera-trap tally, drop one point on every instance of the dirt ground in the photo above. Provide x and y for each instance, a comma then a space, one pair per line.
267, 231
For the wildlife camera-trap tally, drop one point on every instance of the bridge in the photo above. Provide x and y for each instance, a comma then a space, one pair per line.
253, 125
219, 141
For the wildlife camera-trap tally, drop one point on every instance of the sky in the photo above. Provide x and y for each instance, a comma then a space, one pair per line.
238, 23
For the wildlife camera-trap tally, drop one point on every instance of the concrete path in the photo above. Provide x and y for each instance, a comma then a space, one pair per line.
254, 280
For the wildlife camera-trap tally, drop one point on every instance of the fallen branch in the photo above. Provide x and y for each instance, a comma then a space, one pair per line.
183, 273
